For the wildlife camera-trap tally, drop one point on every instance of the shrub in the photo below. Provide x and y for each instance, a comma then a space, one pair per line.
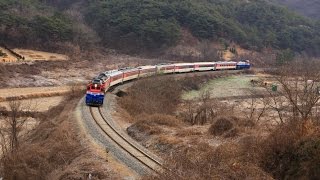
151, 96
201, 161
147, 125
289, 154
159, 119
220, 126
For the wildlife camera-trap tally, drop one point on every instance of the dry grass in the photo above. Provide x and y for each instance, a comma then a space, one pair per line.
31, 55
53, 150
147, 125
204, 162
159, 119
39, 92
188, 132
237, 150
159, 95
292, 152
153, 95
167, 144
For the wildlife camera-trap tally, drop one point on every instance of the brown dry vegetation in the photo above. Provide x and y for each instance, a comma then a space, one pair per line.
53, 149
292, 153
159, 94
201, 161
149, 97
207, 139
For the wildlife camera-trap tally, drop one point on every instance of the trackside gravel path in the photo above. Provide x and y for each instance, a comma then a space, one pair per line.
122, 142
120, 149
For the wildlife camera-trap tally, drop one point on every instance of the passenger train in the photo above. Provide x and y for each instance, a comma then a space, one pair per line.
99, 85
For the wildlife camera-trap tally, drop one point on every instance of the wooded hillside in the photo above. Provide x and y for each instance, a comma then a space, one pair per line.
147, 25
30, 22
310, 8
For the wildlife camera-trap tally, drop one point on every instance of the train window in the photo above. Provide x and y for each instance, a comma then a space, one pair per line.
207, 65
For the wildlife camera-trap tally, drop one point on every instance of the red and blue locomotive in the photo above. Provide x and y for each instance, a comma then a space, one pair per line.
95, 93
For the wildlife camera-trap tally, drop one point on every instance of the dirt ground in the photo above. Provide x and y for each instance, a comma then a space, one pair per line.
31, 55
33, 92
38, 104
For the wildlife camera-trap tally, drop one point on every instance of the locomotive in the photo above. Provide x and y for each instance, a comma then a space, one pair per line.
95, 93
99, 85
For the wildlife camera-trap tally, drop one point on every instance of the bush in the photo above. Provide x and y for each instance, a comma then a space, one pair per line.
151, 96
221, 125
147, 125
201, 161
288, 154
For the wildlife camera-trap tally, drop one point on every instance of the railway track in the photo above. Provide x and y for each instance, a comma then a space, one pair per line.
105, 131
123, 143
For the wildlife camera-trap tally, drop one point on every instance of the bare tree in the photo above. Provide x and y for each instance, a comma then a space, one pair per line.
12, 125
299, 83
208, 52
257, 108
296, 95
12, 128
201, 111
205, 111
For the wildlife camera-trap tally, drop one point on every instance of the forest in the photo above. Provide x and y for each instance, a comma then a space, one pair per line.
30, 22
308, 8
145, 25
152, 24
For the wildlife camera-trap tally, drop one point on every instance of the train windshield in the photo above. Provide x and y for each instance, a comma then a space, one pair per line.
96, 81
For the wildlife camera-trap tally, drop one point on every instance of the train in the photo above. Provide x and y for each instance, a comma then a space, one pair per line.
99, 85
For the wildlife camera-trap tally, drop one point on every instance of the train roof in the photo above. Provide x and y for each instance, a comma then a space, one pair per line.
114, 73
165, 64
109, 72
243, 62
183, 64
146, 67
205, 63
226, 62
161, 64
128, 69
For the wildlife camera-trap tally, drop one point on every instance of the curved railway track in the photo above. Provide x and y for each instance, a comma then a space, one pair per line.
122, 142
105, 131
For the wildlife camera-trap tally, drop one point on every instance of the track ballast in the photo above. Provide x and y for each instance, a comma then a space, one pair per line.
124, 144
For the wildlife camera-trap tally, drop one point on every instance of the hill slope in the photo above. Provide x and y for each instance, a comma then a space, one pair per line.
147, 25
157, 23
310, 8
31, 22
